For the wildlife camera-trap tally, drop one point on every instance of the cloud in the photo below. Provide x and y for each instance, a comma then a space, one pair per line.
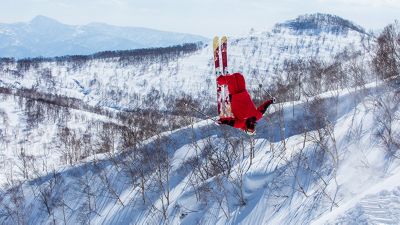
366, 3
206, 17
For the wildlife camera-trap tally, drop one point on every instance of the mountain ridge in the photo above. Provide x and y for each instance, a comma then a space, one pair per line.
46, 37
319, 22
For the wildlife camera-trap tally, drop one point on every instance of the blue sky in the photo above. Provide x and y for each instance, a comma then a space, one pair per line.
204, 17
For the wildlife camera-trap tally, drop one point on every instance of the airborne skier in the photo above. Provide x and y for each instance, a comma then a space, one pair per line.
235, 106
245, 114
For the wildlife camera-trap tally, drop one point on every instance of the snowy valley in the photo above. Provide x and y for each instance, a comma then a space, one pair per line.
109, 138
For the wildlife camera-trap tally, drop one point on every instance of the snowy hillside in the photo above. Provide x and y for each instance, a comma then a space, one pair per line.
116, 137
118, 83
46, 37
157, 80
339, 173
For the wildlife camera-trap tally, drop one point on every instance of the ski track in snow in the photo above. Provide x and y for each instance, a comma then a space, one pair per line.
382, 208
380, 204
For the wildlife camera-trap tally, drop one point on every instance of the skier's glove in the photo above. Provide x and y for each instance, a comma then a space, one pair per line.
273, 99
227, 121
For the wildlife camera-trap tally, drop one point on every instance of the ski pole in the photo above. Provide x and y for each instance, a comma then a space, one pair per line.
207, 116
268, 93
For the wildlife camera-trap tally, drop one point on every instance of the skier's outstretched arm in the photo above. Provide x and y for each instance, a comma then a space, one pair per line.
263, 107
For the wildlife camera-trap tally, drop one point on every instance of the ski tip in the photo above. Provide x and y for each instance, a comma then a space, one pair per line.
216, 39
224, 39
216, 42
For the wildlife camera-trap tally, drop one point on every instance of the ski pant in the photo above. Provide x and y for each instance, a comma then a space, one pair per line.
262, 108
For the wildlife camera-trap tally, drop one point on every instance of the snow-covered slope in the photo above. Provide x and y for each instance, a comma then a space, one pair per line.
206, 174
124, 85
37, 137
46, 37
327, 158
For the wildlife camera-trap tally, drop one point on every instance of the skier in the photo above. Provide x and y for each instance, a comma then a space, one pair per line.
245, 114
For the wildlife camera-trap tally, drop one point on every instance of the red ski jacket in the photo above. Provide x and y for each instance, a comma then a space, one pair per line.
241, 104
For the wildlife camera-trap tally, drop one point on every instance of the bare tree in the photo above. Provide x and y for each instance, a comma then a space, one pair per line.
386, 61
162, 166
88, 208
48, 195
27, 163
12, 204
386, 116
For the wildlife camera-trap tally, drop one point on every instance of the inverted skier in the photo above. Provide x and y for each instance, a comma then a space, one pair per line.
245, 114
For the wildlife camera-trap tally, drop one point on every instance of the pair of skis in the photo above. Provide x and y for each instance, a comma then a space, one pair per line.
224, 107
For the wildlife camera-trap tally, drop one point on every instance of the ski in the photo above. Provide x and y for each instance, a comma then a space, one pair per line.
224, 54
216, 55
217, 73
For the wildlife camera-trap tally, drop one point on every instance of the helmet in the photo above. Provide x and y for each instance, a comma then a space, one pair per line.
251, 125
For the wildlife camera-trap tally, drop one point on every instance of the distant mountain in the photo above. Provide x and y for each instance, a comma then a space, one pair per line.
319, 22
47, 37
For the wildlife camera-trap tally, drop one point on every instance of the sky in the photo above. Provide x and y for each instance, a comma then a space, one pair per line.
203, 17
